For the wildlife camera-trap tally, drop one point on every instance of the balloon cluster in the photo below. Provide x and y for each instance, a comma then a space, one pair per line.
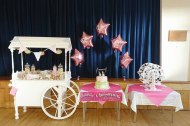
150, 74
117, 44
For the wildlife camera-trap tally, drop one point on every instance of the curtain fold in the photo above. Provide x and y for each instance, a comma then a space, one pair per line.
137, 21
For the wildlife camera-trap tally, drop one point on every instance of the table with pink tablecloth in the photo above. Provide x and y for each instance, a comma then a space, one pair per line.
88, 93
164, 96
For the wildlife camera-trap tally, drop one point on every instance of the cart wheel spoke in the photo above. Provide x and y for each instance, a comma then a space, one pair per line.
50, 106
63, 109
68, 97
71, 100
54, 92
56, 113
68, 104
50, 98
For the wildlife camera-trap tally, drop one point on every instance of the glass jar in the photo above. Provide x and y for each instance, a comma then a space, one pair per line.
60, 71
33, 68
54, 72
60, 68
27, 68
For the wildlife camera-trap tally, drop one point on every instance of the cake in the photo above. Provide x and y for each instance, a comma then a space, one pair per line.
102, 82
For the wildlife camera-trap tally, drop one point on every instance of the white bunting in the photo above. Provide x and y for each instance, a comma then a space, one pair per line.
53, 48
37, 55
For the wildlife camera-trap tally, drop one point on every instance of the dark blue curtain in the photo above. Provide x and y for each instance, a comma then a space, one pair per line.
137, 21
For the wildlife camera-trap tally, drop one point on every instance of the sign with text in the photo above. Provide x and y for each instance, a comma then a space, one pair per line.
100, 96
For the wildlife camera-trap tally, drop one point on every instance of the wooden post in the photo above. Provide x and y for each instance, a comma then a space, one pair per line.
69, 60
12, 58
65, 60
22, 61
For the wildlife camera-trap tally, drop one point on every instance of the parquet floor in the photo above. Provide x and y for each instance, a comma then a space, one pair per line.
95, 117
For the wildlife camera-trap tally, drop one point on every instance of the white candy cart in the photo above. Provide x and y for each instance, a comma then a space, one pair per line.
57, 98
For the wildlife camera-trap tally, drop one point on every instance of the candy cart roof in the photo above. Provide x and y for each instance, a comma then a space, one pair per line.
40, 42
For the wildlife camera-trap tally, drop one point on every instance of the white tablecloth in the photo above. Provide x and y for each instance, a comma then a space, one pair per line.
138, 98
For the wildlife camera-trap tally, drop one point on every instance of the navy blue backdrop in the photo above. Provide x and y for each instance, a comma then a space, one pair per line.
137, 21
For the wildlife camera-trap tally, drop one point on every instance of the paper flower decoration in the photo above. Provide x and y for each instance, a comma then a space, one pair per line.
58, 51
150, 74
27, 51
86, 40
118, 43
102, 28
125, 60
77, 57
42, 53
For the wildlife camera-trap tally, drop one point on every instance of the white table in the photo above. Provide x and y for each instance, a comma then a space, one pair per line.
138, 98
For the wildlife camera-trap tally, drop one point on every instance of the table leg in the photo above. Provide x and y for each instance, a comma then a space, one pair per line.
116, 107
172, 114
84, 111
162, 109
118, 111
135, 117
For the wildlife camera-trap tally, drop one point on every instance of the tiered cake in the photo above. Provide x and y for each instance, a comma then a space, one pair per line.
102, 82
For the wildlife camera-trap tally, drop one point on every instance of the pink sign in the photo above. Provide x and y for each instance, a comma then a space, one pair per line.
89, 93
156, 97
13, 91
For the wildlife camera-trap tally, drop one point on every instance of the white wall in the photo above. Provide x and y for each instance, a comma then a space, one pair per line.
175, 56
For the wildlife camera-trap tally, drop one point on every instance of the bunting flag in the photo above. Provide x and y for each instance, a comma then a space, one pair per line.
37, 55
21, 49
53, 48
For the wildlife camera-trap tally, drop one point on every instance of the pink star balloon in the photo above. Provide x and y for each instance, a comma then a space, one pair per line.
102, 28
86, 40
117, 43
77, 57
125, 60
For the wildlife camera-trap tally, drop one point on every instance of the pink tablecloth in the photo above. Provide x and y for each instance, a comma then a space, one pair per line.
89, 94
156, 97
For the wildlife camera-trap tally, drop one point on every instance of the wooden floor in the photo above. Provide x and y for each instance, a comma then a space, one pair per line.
95, 117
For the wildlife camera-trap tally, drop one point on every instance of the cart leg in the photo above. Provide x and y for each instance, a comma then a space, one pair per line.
16, 109
24, 109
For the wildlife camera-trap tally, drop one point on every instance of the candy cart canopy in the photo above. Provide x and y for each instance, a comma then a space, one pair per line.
40, 42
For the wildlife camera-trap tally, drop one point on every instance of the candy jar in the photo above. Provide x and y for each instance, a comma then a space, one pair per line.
60, 68
27, 68
54, 72
33, 69
60, 71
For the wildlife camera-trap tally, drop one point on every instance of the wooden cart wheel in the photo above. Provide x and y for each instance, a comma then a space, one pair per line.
75, 87
61, 103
